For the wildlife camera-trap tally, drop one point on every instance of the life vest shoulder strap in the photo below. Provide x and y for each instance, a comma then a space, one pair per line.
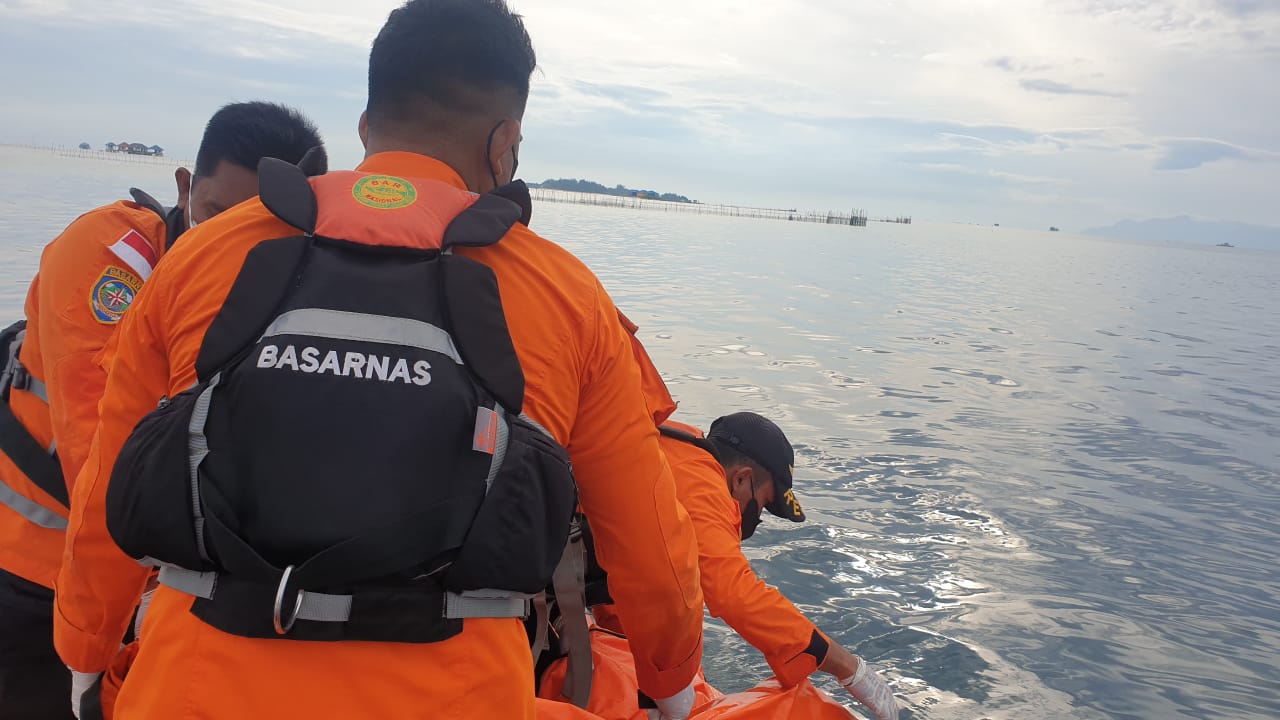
689, 438
145, 200
39, 465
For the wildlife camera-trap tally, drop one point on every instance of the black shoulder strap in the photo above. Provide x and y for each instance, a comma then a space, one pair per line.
264, 280
145, 200
486, 222
285, 191
518, 193
41, 468
472, 299
175, 222
315, 162
685, 436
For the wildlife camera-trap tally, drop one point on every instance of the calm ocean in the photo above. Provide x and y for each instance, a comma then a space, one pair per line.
1042, 471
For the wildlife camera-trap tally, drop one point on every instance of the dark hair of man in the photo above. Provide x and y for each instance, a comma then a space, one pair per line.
437, 64
731, 457
244, 133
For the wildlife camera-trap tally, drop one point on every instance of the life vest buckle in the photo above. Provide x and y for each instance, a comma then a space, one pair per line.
21, 377
283, 628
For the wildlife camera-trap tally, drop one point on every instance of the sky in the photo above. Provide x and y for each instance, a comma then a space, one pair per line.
1074, 113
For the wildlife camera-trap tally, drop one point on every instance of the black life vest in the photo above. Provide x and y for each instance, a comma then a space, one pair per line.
352, 463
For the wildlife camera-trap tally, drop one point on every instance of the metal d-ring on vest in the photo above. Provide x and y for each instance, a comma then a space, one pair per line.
282, 628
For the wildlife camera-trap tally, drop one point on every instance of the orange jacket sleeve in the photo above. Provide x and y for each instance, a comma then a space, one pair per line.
98, 585
758, 612
78, 273
656, 395
635, 511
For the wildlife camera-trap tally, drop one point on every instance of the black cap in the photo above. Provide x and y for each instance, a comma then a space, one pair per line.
759, 439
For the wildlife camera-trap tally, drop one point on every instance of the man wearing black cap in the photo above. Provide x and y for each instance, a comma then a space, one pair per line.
757, 458
751, 457
724, 480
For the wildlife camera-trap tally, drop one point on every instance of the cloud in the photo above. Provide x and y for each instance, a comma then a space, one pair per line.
1191, 153
1018, 65
801, 103
1057, 88
1246, 8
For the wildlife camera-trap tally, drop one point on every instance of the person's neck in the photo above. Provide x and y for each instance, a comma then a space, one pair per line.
475, 178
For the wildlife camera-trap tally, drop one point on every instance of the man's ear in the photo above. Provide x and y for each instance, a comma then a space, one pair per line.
363, 128
182, 177
739, 477
504, 139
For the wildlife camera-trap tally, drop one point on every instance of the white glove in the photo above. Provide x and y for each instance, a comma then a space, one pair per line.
676, 707
80, 683
872, 691
142, 612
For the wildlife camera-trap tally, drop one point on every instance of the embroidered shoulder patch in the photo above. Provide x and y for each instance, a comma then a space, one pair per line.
384, 192
112, 294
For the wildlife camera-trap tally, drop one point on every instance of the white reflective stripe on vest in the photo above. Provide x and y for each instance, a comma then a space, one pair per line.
342, 325
30, 510
324, 607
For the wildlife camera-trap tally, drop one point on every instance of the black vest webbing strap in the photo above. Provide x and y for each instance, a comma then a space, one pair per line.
685, 436
38, 464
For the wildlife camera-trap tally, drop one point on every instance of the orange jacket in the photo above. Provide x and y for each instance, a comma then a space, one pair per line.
582, 384
87, 278
656, 395
756, 611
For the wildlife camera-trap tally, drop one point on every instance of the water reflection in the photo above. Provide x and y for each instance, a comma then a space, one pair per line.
1041, 473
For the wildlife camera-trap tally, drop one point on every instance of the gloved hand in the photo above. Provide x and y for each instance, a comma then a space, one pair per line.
80, 683
871, 690
676, 707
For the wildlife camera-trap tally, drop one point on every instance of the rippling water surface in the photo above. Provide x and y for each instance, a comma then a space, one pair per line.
1041, 471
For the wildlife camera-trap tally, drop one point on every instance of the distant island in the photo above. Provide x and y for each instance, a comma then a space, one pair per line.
1194, 232
588, 186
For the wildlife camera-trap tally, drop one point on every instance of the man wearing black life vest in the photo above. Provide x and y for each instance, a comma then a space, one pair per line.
725, 480
341, 421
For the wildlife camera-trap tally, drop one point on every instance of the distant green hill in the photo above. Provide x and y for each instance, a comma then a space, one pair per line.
589, 186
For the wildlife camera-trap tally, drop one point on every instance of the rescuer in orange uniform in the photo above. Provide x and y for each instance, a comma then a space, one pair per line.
754, 458
87, 279
751, 457
723, 481
448, 84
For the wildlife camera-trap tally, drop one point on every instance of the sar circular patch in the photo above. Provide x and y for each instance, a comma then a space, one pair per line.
112, 294
384, 192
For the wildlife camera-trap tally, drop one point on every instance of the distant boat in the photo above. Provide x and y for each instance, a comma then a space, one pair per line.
1053, 229
1224, 244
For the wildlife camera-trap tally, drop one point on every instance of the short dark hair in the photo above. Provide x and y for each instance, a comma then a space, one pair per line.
450, 57
244, 133
729, 456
